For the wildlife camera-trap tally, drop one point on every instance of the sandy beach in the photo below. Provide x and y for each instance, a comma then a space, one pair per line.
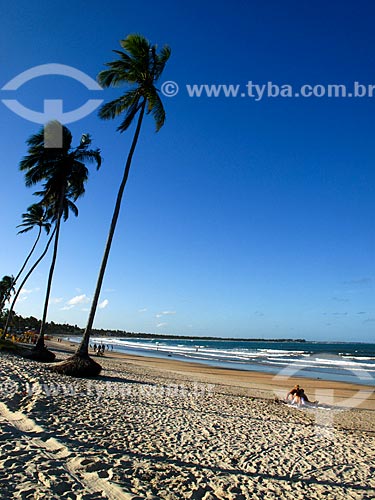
149, 428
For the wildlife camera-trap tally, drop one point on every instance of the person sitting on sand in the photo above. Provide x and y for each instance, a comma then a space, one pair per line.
292, 393
297, 396
303, 398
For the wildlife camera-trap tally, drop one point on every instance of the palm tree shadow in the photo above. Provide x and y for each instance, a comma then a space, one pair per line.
109, 378
291, 479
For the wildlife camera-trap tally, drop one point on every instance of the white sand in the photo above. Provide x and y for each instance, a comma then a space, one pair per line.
143, 432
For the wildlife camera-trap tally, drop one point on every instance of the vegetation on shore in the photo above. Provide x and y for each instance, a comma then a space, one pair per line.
21, 324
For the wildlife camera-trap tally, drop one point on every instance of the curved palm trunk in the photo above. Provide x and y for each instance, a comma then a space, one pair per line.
40, 342
23, 284
28, 257
83, 348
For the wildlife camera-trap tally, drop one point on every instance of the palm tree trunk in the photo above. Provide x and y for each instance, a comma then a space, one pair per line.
83, 348
28, 257
23, 284
40, 343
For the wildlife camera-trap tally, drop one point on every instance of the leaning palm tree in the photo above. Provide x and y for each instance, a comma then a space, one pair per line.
27, 276
63, 172
6, 290
34, 217
138, 66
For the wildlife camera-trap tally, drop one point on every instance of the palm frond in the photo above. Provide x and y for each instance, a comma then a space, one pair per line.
72, 207
129, 117
26, 230
136, 45
114, 108
91, 156
156, 108
141, 65
115, 76
161, 60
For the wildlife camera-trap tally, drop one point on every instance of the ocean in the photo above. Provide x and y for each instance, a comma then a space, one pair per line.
337, 361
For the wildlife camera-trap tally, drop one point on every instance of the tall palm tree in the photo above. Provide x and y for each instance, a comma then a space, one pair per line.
6, 289
63, 172
35, 216
139, 66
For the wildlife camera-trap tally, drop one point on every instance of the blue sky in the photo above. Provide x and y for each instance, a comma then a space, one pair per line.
240, 218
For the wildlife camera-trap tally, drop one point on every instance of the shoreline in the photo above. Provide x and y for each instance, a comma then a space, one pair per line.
255, 383
352, 372
158, 429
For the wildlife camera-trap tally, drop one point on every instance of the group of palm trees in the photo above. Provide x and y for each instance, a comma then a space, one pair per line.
62, 173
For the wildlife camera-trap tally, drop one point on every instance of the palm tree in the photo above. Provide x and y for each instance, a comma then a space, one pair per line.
31, 270
140, 66
64, 174
35, 216
6, 290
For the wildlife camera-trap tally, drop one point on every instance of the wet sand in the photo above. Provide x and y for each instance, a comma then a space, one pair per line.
252, 383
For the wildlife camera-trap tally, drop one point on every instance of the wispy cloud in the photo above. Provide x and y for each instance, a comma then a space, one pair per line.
369, 320
103, 304
340, 299
78, 299
159, 325
56, 300
165, 313
75, 301
359, 282
258, 313
335, 314
66, 308
26, 291
24, 294
144, 309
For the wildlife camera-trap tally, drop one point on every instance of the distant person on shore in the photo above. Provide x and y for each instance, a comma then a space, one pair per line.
297, 396
303, 397
94, 347
292, 393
